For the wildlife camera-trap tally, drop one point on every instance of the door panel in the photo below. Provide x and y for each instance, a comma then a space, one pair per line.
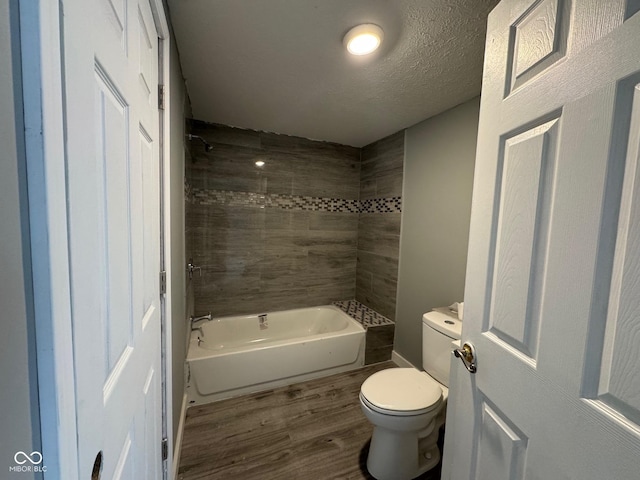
538, 39
551, 300
111, 64
152, 426
502, 448
148, 55
112, 127
614, 384
149, 215
526, 171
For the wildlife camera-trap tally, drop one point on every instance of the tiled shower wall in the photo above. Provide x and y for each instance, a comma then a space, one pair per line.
381, 170
291, 233
273, 238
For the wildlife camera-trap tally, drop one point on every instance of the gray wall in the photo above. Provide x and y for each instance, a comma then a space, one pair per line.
19, 421
438, 181
273, 238
178, 316
379, 224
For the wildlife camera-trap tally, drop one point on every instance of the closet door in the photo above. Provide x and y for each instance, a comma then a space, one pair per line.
112, 133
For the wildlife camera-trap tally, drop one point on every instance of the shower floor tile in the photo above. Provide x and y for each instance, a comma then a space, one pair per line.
368, 317
309, 430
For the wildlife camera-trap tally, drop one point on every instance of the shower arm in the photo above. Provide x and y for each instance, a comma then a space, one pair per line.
207, 146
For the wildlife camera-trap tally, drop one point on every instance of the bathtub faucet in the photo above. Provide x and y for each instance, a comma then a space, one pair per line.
207, 317
201, 318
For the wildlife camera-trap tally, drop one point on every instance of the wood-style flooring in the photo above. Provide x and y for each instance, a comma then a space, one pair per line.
309, 430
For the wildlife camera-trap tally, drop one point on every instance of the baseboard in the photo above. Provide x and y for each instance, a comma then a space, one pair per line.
178, 445
401, 361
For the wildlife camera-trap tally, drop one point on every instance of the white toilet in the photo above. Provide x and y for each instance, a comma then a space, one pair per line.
407, 406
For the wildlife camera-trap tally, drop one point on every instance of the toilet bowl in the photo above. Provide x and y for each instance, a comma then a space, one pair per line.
403, 404
407, 406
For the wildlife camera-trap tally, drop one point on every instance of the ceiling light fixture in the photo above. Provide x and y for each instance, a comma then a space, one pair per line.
363, 39
259, 163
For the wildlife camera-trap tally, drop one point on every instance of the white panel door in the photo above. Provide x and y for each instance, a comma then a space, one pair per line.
112, 127
552, 301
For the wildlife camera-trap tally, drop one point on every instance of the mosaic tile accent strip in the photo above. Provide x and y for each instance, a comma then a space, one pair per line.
262, 200
293, 202
363, 314
381, 205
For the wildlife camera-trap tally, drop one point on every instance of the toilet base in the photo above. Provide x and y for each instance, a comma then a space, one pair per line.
401, 457
429, 458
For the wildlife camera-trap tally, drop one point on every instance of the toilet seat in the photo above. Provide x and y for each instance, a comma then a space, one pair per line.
401, 392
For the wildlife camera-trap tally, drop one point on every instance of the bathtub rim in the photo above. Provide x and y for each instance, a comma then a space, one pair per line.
195, 352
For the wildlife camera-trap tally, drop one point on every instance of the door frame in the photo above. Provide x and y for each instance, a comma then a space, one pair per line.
164, 79
41, 30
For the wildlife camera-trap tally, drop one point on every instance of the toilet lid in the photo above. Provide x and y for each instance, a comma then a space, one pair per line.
401, 391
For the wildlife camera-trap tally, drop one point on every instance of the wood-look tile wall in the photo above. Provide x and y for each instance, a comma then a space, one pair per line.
188, 235
256, 257
381, 174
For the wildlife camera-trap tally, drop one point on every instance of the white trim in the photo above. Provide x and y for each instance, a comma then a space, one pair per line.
160, 17
178, 447
162, 27
41, 56
401, 361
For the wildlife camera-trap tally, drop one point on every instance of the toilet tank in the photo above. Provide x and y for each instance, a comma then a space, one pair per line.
438, 331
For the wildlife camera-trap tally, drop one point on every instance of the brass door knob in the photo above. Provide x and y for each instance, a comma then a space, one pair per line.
468, 356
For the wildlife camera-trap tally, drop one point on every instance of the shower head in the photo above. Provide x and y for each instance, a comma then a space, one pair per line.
207, 147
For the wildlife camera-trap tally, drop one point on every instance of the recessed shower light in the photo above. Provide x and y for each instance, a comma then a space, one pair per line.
363, 39
259, 163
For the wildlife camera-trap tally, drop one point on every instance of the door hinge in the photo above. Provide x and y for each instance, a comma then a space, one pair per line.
165, 448
163, 282
161, 97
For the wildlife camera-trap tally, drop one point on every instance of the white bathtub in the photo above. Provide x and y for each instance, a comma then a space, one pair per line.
233, 355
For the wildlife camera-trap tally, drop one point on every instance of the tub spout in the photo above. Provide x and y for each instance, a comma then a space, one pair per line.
206, 317
203, 318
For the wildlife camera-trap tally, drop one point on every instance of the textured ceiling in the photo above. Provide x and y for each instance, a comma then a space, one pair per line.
280, 66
